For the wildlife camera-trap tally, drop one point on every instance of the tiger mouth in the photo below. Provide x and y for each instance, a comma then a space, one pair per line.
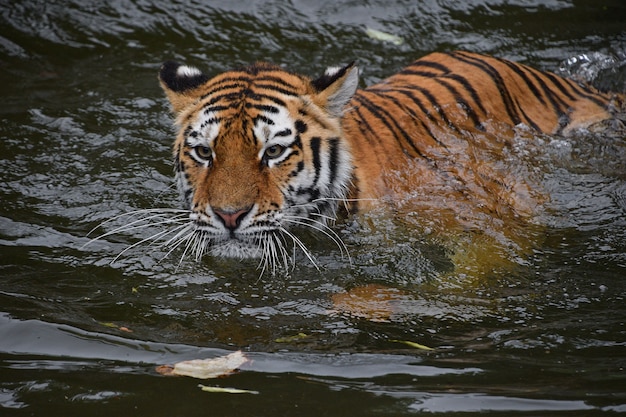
235, 248
231, 244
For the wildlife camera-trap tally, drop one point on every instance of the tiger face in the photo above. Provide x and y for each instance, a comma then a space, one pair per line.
258, 150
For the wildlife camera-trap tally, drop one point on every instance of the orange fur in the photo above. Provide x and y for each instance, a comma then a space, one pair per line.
430, 139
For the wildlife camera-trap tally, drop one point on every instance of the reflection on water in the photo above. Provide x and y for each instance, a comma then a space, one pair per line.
85, 136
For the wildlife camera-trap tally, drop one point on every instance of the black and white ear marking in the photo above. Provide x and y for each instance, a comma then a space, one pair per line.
180, 78
340, 83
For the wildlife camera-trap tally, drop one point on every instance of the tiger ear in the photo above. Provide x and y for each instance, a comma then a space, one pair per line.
180, 83
336, 87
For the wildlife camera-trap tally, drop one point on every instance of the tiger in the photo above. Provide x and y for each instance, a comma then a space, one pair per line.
261, 151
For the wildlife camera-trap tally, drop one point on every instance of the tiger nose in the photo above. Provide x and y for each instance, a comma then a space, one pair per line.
232, 218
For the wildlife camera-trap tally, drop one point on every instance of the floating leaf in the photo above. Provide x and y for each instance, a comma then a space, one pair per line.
291, 339
226, 390
383, 36
413, 344
206, 368
115, 326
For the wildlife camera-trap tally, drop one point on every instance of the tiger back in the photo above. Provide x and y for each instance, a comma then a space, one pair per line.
261, 150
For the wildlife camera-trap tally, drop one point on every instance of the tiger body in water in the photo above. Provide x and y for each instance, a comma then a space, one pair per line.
261, 150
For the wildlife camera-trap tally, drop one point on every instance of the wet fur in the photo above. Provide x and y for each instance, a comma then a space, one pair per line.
422, 132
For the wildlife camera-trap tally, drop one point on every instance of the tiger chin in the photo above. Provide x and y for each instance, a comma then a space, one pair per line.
261, 150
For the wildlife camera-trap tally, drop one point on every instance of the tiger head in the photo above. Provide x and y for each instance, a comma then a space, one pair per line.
258, 150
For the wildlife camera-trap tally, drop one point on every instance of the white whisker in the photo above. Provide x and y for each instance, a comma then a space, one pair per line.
181, 239
152, 238
176, 221
301, 245
159, 211
182, 230
138, 224
191, 240
176, 231
283, 251
322, 228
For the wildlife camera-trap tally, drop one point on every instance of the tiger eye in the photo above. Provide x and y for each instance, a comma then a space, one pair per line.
274, 151
203, 152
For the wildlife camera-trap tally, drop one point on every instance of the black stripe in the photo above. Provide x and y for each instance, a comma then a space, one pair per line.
364, 127
233, 86
558, 83
283, 133
263, 119
497, 79
209, 109
230, 97
299, 169
211, 121
370, 134
420, 73
300, 126
263, 107
434, 105
237, 95
333, 159
275, 88
458, 78
247, 132
243, 79
519, 70
415, 117
466, 106
315, 151
559, 106
277, 80
259, 97
297, 142
389, 122
427, 64
530, 121
578, 90
469, 88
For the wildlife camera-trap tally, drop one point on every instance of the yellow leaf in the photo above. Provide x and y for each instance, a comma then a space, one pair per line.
412, 344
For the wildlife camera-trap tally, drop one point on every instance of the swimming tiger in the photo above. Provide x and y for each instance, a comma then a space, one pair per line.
261, 150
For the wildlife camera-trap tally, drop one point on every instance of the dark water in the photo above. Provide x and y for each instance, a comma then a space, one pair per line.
85, 136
